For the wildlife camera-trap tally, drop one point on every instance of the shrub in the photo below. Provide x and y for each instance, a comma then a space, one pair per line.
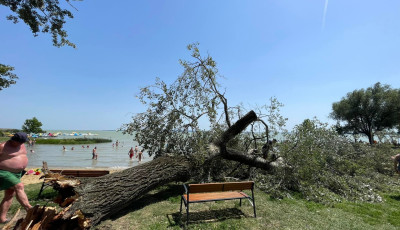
323, 166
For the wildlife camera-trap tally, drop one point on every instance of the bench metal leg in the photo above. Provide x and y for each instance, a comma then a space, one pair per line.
41, 190
254, 207
254, 203
187, 209
180, 210
187, 213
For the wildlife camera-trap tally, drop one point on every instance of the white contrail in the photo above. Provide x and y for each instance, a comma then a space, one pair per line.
324, 16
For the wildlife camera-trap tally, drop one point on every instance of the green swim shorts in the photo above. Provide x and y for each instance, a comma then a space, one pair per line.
9, 179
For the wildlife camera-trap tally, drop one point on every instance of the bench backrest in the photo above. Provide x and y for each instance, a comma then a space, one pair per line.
82, 173
221, 187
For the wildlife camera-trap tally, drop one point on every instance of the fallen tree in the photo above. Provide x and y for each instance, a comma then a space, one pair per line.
87, 201
170, 125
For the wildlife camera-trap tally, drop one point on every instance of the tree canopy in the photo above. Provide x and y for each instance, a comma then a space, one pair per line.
171, 123
366, 111
32, 126
42, 16
7, 78
313, 160
45, 16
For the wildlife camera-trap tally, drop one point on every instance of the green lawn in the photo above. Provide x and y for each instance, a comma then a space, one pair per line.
160, 210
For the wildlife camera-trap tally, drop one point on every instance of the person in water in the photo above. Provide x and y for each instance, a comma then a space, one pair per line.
13, 161
94, 153
140, 155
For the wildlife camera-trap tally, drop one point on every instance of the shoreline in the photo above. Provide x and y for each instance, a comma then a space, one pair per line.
112, 168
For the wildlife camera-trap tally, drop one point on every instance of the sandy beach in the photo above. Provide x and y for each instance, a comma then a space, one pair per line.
34, 179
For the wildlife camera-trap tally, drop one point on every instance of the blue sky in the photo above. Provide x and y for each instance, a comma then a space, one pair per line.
263, 49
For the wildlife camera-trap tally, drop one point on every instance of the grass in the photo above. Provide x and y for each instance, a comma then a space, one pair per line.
160, 210
32, 191
77, 141
2, 139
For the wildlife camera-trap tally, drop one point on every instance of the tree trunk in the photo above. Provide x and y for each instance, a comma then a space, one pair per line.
88, 201
370, 138
100, 197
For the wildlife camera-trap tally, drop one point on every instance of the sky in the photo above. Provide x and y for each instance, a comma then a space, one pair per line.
306, 53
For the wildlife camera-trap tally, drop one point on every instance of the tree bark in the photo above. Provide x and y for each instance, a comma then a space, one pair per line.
236, 128
100, 197
110, 194
250, 160
370, 138
235, 155
88, 201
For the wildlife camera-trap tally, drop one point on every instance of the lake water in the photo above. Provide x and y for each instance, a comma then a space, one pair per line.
108, 156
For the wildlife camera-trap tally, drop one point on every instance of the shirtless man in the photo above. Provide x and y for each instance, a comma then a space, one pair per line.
13, 161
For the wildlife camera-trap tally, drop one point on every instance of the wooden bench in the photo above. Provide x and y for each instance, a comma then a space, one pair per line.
75, 173
197, 193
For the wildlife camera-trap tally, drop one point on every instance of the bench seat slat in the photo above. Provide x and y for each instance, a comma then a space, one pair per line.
196, 193
201, 197
217, 187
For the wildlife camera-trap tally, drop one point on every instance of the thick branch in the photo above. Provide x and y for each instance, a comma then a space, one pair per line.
236, 128
235, 155
251, 160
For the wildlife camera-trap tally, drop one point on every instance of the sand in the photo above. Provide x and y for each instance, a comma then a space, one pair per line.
31, 179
